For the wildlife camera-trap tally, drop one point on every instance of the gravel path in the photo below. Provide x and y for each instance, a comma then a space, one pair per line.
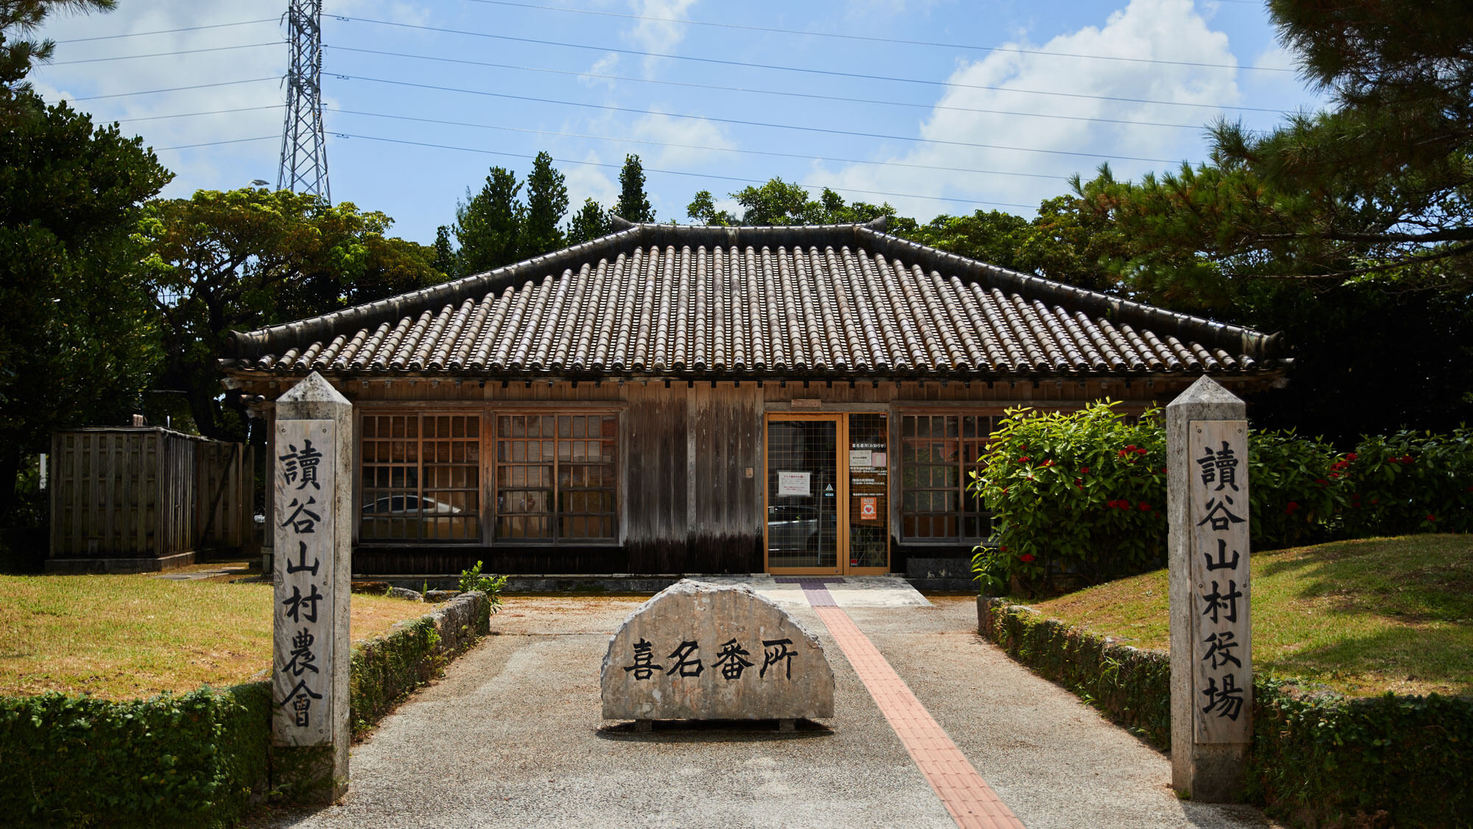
512, 737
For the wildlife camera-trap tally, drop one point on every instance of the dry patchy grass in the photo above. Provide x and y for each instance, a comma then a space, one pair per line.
1364, 617
123, 637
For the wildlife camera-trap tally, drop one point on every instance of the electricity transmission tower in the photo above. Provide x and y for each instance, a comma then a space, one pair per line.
303, 145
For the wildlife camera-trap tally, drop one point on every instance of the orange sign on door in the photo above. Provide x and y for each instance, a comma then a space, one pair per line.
869, 508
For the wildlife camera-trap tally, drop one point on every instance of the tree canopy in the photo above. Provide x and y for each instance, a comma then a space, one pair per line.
242, 259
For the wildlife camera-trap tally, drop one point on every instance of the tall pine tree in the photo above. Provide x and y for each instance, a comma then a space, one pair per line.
445, 260
633, 204
547, 201
488, 225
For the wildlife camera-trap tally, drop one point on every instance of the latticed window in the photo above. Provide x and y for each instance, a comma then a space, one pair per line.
421, 477
937, 453
556, 477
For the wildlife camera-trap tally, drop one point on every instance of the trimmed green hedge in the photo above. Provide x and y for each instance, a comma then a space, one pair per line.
386, 670
186, 760
1318, 759
194, 759
1131, 686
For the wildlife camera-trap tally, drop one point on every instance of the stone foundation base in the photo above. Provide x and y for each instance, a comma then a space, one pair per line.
145, 564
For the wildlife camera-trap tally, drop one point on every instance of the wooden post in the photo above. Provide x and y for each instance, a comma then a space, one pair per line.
1211, 664
312, 521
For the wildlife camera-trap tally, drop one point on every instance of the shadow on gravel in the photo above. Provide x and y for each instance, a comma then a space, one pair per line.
713, 731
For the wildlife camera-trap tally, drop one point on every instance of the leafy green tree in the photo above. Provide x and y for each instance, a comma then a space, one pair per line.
589, 223
778, 202
987, 235
547, 201
76, 344
488, 224
247, 258
702, 208
633, 204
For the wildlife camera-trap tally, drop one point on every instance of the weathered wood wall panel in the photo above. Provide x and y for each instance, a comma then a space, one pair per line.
654, 508
726, 468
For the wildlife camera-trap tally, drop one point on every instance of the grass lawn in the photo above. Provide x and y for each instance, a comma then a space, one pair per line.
1364, 617
124, 637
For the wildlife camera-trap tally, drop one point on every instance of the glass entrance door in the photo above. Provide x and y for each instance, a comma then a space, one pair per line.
803, 493
828, 506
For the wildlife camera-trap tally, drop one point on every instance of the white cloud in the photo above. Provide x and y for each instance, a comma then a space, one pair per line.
699, 140
1161, 30
585, 181
1276, 57
605, 65
239, 110
658, 35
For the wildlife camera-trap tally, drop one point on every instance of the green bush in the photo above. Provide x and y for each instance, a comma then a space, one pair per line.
1293, 495
471, 579
1317, 759
175, 760
1078, 495
1324, 759
1408, 482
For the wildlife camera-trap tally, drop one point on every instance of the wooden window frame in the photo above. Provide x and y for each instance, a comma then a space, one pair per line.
488, 412
421, 485
494, 465
963, 465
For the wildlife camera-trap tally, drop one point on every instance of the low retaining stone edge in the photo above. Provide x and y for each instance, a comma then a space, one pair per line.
1318, 758
200, 758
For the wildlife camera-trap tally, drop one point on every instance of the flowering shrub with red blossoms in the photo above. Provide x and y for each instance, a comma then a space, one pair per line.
1077, 497
1407, 482
1080, 497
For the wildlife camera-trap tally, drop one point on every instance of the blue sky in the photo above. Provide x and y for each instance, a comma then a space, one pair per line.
940, 106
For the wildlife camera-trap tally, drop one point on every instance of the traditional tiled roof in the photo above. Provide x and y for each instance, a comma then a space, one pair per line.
828, 301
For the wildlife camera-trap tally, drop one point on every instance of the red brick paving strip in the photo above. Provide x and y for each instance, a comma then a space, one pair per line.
968, 798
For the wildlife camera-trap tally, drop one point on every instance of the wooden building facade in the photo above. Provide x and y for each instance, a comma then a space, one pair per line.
714, 400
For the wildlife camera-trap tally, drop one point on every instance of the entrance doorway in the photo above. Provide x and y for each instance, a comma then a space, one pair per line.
827, 494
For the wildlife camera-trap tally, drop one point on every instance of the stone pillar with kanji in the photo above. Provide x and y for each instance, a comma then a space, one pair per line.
1211, 664
311, 474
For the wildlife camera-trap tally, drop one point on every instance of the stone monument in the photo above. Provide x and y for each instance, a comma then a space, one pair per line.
1211, 664
702, 651
312, 527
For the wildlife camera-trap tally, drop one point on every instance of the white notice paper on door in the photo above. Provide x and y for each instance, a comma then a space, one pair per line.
794, 483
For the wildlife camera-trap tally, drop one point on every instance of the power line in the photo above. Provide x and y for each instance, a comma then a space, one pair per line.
805, 70
609, 165
169, 31
168, 54
175, 89
218, 143
773, 153
196, 114
786, 93
742, 122
875, 39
